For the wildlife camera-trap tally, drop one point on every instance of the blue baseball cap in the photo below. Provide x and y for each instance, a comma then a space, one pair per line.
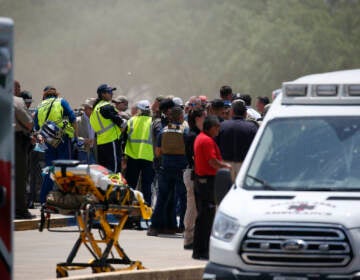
48, 88
105, 88
227, 103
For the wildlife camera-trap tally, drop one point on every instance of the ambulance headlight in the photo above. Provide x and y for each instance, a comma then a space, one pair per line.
224, 227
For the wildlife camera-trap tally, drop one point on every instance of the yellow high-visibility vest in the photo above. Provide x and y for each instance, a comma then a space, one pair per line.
55, 115
139, 141
106, 130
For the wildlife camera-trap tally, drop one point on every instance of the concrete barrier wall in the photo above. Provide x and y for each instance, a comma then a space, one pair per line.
34, 223
179, 273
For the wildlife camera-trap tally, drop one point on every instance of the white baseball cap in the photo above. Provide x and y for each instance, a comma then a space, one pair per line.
143, 105
178, 101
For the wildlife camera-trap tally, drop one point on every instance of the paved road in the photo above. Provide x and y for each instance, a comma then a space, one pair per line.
36, 253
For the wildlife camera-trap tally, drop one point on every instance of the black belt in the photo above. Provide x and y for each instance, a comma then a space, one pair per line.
204, 179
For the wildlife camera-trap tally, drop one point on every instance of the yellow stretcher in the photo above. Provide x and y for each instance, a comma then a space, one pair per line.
93, 206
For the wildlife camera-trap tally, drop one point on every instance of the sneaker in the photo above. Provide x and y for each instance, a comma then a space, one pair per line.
24, 215
152, 231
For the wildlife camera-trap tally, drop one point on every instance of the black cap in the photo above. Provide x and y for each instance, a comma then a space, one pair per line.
105, 88
217, 103
166, 104
27, 96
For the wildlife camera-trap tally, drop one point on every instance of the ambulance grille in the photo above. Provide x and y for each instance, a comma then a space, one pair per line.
296, 246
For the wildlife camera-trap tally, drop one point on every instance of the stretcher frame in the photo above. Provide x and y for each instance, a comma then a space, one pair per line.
95, 216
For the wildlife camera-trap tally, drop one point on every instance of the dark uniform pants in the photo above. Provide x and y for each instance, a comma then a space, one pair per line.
63, 151
109, 155
132, 174
205, 205
22, 143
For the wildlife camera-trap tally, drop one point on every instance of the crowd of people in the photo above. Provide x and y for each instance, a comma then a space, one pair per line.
168, 148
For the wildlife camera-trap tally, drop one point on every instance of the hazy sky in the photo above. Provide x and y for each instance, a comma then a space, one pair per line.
77, 45
178, 47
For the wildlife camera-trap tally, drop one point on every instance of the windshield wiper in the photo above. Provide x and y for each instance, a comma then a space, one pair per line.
328, 189
263, 183
314, 189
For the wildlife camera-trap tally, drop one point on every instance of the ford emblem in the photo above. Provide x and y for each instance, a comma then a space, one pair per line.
294, 245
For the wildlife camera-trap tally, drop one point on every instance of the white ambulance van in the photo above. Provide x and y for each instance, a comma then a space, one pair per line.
294, 210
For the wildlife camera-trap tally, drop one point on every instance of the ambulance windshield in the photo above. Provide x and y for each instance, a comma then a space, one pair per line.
310, 154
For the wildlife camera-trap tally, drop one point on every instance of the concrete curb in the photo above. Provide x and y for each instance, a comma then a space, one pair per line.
180, 273
34, 223
57, 220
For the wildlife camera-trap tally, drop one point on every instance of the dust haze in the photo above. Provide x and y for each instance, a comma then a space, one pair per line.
177, 47
77, 45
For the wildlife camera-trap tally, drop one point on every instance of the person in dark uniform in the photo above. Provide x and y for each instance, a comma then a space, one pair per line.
171, 147
207, 161
236, 136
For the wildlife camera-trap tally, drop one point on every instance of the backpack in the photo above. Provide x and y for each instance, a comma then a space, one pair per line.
172, 142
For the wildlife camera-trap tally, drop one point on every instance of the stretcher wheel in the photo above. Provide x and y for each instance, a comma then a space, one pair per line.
60, 272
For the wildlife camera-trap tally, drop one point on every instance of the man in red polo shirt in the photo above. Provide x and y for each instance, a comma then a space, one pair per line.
207, 160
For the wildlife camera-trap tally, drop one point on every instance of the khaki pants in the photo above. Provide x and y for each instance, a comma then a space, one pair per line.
235, 168
191, 213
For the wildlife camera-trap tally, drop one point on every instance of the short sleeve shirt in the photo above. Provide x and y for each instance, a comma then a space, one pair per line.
205, 148
22, 116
